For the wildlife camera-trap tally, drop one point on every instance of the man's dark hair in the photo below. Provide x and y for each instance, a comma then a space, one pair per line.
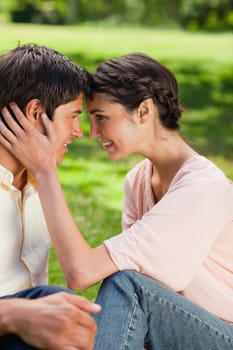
33, 71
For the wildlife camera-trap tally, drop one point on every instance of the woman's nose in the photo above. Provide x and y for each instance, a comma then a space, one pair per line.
94, 133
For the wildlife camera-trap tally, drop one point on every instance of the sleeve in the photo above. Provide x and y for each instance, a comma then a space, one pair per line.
171, 240
129, 213
134, 188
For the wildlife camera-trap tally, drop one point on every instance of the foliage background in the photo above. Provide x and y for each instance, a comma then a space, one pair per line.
208, 15
202, 63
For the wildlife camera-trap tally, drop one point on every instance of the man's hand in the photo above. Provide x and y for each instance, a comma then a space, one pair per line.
60, 321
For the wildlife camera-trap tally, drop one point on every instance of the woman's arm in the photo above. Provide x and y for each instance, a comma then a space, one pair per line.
81, 264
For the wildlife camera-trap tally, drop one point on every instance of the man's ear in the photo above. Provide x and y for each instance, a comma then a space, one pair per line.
145, 110
33, 111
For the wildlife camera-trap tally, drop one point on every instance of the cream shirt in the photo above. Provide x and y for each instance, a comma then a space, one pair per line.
185, 240
24, 239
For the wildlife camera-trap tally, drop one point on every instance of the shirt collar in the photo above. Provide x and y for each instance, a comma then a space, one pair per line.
7, 178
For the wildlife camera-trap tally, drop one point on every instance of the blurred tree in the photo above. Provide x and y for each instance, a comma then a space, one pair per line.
101, 10
207, 15
36, 11
191, 14
72, 11
23, 11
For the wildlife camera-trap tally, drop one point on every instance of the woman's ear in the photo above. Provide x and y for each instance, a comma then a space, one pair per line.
145, 110
33, 111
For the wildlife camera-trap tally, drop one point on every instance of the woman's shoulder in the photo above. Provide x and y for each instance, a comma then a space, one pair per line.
200, 170
200, 163
139, 171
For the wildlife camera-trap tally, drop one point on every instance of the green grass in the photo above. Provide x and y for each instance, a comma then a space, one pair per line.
204, 69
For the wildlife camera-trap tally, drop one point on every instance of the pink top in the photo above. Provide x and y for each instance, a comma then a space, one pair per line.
185, 240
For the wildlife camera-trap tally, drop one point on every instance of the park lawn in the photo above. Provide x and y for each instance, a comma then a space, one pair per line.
204, 69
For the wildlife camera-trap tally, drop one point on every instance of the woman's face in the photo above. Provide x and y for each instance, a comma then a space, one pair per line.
113, 126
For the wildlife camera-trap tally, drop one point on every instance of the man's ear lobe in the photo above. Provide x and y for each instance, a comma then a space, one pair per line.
33, 110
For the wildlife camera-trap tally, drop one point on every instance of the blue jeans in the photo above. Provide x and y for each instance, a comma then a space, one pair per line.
139, 312
13, 342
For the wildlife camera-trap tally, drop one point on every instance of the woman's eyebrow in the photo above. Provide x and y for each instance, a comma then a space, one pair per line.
93, 111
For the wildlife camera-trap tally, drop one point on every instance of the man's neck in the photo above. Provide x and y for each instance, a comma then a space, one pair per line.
12, 164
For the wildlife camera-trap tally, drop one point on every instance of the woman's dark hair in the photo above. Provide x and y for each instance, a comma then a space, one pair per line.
131, 79
33, 71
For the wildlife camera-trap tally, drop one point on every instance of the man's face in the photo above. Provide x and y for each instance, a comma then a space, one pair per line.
66, 125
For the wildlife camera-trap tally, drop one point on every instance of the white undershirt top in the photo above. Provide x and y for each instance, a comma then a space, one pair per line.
24, 238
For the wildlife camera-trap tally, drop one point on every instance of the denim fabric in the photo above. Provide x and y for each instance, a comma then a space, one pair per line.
13, 342
139, 312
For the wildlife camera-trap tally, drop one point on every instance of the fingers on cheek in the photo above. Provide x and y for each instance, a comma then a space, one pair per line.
7, 134
10, 140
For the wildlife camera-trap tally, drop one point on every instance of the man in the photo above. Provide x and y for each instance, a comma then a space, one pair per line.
40, 80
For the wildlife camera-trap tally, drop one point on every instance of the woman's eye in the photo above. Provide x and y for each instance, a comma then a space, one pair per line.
100, 117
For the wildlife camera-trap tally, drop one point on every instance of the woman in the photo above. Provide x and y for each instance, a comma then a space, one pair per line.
175, 288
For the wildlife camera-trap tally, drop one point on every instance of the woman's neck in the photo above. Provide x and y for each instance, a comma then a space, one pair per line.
167, 155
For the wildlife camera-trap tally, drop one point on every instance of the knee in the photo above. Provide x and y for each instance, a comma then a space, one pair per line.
133, 282
125, 280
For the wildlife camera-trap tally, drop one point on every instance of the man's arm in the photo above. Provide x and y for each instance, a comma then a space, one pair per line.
55, 322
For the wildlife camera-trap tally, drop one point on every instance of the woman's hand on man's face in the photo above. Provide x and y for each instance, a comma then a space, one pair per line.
36, 151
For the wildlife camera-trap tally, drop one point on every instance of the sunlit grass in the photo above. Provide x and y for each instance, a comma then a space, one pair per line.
99, 42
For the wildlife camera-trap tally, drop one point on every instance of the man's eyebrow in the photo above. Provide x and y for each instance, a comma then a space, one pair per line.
96, 110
